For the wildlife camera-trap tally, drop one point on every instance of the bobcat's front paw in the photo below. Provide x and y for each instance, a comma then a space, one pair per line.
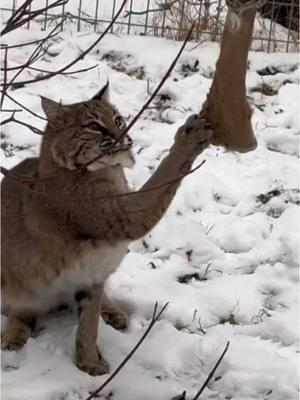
94, 368
14, 341
16, 334
117, 319
196, 132
93, 365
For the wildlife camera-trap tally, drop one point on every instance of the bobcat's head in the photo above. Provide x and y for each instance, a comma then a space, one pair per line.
78, 133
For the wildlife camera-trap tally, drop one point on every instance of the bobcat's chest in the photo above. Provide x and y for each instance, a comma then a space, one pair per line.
91, 268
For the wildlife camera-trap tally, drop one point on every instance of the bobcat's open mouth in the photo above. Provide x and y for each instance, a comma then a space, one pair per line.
122, 145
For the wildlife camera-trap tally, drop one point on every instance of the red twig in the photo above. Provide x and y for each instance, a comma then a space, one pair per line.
78, 71
13, 119
171, 67
157, 89
8, 110
25, 108
4, 88
40, 11
19, 17
159, 86
14, 46
81, 56
155, 317
34, 55
16, 16
211, 374
26, 181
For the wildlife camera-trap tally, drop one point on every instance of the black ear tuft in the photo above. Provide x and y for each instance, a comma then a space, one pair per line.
103, 94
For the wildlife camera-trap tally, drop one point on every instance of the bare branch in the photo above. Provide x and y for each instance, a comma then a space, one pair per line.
78, 71
27, 181
14, 46
154, 319
16, 16
13, 119
25, 108
21, 16
10, 110
35, 54
145, 106
168, 72
81, 56
212, 372
4, 88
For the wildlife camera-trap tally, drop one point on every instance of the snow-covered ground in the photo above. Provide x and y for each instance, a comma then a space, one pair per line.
225, 256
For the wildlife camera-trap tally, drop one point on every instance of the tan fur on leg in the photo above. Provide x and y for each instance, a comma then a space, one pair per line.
88, 357
17, 331
113, 314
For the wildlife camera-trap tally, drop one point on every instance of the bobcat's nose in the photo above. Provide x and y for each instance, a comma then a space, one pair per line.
127, 142
124, 143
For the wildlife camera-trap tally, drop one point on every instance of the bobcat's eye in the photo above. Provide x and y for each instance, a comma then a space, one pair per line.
119, 122
94, 126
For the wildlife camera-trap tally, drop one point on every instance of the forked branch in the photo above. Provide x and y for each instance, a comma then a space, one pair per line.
21, 179
212, 372
23, 15
78, 58
155, 317
17, 121
148, 102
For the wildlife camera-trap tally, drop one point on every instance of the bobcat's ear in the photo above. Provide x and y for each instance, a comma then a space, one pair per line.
103, 94
50, 107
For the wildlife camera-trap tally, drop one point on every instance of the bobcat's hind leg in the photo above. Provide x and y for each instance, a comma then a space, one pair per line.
88, 357
113, 314
17, 332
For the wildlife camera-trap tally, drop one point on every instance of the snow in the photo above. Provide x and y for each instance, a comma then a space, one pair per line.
225, 256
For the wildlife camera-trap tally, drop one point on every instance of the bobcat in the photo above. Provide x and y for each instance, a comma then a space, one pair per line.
68, 227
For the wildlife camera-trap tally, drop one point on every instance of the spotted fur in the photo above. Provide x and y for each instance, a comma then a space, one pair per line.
65, 235
91, 130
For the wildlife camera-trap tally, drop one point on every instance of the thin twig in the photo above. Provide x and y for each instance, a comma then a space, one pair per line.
4, 89
25, 108
154, 319
78, 71
156, 90
7, 110
13, 119
81, 56
34, 55
212, 372
144, 107
27, 181
19, 17
16, 16
14, 46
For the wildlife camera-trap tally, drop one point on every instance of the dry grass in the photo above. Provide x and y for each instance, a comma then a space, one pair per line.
265, 89
175, 22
